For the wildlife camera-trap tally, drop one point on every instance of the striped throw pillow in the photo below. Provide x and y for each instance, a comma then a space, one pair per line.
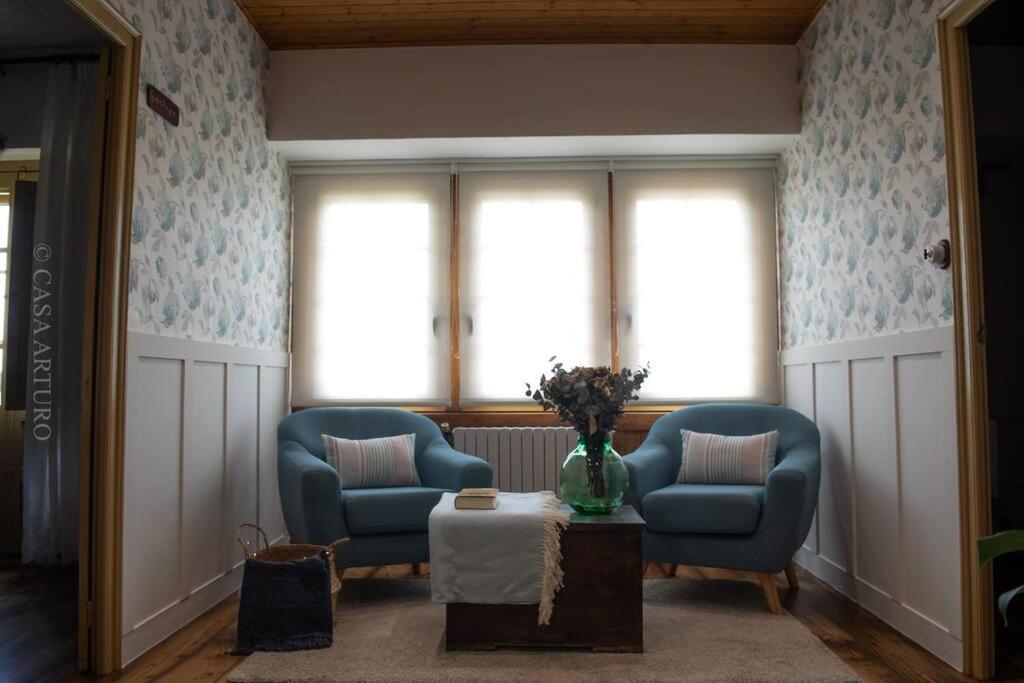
373, 463
717, 459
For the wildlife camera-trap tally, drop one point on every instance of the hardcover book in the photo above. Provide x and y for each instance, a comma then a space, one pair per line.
476, 499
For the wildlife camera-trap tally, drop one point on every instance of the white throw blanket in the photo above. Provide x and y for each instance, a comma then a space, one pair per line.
508, 556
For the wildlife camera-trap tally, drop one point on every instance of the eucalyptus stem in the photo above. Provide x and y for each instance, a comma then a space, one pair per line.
594, 444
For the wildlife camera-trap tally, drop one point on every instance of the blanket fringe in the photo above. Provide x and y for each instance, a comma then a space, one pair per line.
552, 577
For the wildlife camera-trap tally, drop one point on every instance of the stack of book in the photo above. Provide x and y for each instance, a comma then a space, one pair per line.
476, 499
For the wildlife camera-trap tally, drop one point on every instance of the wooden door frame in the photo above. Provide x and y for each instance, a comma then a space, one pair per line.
968, 320
102, 581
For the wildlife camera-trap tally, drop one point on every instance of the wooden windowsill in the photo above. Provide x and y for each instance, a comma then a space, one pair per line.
628, 422
636, 419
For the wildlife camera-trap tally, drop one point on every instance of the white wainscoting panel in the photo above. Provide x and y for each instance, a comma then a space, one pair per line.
928, 475
242, 501
798, 387
204, 476
200, 458
886, 532
152, 488
875, 474
835, 520
273, 408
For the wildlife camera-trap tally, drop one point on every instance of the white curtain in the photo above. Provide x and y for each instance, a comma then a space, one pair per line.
53, 415
534, 277
696, 282
370, 296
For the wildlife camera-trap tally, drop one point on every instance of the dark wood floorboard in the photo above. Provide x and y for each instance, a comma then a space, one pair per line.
865, 643
201, 651
38, 621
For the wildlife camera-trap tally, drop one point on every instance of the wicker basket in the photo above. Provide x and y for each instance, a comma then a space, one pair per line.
291, 551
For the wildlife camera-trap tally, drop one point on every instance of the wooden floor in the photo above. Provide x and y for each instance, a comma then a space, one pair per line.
866, 644
39, 607
38, 619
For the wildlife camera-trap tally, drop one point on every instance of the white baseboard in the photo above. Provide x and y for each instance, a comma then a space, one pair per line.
157, 628
161, 625
918, 628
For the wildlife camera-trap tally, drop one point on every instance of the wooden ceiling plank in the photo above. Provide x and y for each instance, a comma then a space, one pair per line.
807, 22
455, 29
365, 23
539, 9
724, 7
439, 25
625, 15
410, 35
502, 40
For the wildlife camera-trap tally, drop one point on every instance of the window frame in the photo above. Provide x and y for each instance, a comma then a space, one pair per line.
394, 183
10, 173
489, 412
685, 184
589, 185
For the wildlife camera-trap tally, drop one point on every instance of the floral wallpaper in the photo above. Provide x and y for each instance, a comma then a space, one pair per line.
863, 191
210, 223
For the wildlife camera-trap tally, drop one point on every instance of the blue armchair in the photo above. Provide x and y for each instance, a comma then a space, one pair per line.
385, 526
749, 528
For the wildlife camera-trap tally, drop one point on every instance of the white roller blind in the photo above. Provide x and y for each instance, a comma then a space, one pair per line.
534, 278
696, 282
370, 292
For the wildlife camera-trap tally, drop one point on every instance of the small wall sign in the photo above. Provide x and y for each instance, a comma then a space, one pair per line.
162, 105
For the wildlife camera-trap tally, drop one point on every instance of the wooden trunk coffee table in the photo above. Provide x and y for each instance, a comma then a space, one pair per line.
600, 606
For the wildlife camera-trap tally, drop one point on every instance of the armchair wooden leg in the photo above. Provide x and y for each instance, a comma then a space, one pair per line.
771, 592
416, 570
791, 576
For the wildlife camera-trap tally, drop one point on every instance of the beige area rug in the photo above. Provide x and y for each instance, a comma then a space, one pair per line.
693, 631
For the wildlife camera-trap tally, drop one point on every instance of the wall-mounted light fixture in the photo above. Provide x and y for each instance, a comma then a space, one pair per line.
938, 254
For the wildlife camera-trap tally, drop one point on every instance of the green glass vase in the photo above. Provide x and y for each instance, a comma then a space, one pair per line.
594, 478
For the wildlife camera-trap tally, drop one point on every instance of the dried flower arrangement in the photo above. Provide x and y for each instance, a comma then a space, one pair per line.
590, 399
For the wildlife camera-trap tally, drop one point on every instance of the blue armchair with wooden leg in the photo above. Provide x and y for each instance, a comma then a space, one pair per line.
742, 527
383, 525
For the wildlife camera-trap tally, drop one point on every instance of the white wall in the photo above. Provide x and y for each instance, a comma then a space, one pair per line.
532, 90
200, 458
886, 532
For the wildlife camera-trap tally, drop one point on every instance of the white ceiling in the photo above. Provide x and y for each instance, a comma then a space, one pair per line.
598, 146
49, 24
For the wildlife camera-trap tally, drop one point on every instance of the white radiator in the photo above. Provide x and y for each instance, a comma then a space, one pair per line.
523, 458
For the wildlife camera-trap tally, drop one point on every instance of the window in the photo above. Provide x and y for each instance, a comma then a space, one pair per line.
371, 289
696, 287
426, 287
11, 173
5, 236
534, 278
